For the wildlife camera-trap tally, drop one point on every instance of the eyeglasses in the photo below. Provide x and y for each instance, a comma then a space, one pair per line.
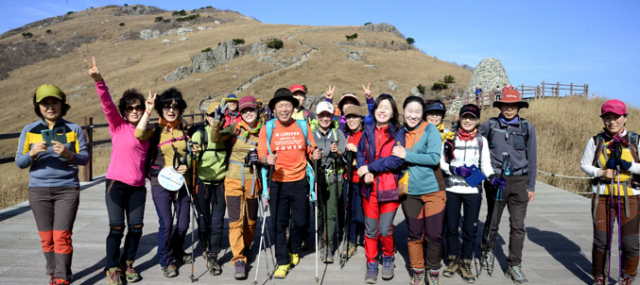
138, 108
170, 107
248, 110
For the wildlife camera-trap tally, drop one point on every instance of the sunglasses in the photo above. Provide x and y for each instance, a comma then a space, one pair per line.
170, 107
138, 108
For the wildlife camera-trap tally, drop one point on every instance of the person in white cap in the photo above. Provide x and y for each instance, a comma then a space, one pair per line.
332, 142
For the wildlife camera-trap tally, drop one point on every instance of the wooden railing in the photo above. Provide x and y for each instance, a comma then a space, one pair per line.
544, 90
88, 128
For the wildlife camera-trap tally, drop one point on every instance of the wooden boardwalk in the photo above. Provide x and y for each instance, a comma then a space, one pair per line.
557, 247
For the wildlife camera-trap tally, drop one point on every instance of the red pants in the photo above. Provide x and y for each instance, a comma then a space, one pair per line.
378, 224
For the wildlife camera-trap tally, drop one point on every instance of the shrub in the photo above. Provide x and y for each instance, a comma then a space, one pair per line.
179, 13
367, 23
70, 12
410, 40
27, 35
393, 42
448, 79
158, 19
275, 44
438, 86
166, 21
134, 8
187, 18
238, 41
208, 49
48, 31
421, 88
351, 37
125, 4
121, 24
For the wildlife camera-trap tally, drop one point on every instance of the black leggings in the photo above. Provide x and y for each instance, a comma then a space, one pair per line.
211, 206
124, 200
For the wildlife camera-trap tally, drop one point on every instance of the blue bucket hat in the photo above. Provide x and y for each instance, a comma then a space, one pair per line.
435, 106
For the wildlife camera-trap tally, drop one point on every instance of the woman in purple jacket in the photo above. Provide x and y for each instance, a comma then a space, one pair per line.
125, 192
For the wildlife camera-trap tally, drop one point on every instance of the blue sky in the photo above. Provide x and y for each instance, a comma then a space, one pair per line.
593, 42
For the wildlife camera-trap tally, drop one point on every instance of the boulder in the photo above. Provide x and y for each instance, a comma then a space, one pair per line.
392, 86
356, 55
180, 73
148, 34
204, 61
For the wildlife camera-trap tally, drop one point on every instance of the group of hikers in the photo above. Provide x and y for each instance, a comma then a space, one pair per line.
352, 171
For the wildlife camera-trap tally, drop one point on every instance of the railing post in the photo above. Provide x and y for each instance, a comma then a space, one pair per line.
542, 89
586, 90
192, 118
558, 90
88, 132
571, 89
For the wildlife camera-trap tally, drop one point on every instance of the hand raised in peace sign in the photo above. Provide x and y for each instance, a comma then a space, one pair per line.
330, 92
367, 91
149, 104
93, 70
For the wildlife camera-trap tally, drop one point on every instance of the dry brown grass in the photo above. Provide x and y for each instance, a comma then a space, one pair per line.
563, 127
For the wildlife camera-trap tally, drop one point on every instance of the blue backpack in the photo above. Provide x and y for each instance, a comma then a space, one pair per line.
270, 125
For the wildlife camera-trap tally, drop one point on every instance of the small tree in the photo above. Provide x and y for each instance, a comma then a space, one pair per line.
275, 44
208, 49
421, 88
238, 41
158, 19
367, 23
121, 24
166, 21
351, 37
27, 35
448, 79
48, 31
70, 12
410, 41
438, 86
125, 4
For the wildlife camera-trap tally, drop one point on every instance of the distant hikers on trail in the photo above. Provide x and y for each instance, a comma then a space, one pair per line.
324, 179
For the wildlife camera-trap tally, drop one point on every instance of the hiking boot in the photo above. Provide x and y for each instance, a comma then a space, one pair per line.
465, 271
62, 282
515, 273
295, 259
240, 272
487, 260
598, 281
329, 257
433, 278
281, 271
212, 264
626, 280
353, 248
417, 276
387, 267
130, 273
170, 271
184, 258
452, 267
372, 273
113, 276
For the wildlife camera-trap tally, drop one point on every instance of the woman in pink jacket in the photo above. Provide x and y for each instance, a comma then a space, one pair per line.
125, 192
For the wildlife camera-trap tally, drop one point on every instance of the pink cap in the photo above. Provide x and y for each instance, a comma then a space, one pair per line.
297, 88
613, 106
247, 102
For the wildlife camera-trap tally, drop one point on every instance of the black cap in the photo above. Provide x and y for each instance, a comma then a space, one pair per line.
470, 109
283, 94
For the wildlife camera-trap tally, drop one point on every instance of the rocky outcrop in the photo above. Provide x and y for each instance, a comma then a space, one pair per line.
356, 55
488, 75
148, 34
225, 51
138, 10
180, 73
382, 28
392, 86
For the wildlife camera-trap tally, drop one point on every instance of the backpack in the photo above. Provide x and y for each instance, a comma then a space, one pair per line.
204, 139
450, 147
524, 132
270, 125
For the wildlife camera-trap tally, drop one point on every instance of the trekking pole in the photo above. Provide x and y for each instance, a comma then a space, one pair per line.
344, 253
192, 202
619, 228
315, 187
494, 216
264, 205
609, 231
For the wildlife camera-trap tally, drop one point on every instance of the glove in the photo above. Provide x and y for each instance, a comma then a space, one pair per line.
251, 158
218, 114
611, 163
624, 165
463, 171
498, 182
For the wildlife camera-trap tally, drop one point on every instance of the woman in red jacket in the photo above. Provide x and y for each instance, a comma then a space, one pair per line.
380, 170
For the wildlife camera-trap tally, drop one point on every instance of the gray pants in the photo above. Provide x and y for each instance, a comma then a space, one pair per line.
55, 212
516, 199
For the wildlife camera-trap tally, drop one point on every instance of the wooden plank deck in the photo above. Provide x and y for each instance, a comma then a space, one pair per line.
557, 247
